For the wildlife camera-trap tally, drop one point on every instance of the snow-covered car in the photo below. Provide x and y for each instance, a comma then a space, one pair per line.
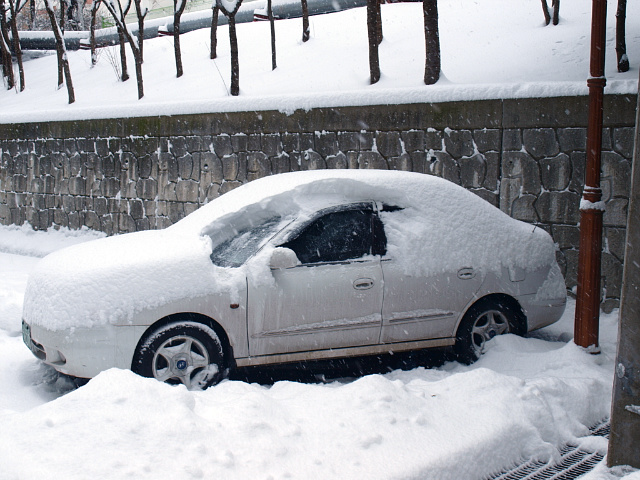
295, 267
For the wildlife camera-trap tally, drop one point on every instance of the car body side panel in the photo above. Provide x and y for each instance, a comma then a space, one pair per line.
421, 307
539, 310
228, 310
85, 352
316, 307
88, 351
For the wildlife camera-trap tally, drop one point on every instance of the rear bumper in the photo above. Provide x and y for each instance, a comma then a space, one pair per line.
541, 313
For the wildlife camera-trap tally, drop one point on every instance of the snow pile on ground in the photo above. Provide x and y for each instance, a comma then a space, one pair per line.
24, 240
490, 49
525, 398
113, 279
16, 241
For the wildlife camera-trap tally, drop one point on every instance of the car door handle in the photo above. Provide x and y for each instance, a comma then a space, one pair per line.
466, 273
363, 283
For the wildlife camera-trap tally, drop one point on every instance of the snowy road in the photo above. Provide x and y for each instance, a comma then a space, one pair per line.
524, 399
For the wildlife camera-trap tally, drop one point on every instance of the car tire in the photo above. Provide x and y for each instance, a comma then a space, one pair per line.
483, 321
187, 353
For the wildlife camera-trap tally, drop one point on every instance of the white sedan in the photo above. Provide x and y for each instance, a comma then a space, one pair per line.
296, 267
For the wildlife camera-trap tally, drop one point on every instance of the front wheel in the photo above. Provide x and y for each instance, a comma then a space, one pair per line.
481, 323
183, 352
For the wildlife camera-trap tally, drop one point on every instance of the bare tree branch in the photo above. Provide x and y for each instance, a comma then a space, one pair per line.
61, 49
116, 11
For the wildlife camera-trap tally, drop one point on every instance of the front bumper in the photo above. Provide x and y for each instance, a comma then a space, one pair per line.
82, 352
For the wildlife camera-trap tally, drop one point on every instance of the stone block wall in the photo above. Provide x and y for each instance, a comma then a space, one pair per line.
525, 156
542, 181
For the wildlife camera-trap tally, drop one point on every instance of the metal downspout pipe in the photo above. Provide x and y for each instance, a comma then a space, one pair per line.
591, 206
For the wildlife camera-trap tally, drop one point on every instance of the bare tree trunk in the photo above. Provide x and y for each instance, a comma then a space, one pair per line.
72, 14
81, 15
379, 21
305, 21
32, 14
16, 41
621, 44
92, 35
432, 41
63, 9
372, 30
233, 42
235, 64
122, 40
178, 8
60, 55
138, 63
123, 55
62, 52
273, 34
214, 32
141, 16
545, 12
7, 62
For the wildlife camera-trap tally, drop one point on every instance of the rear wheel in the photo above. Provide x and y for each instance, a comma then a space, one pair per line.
483, 321
183, 352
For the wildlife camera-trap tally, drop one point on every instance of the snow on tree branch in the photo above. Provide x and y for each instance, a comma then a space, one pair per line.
229, 7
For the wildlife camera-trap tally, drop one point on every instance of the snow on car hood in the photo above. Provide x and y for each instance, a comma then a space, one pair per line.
441, 227
110, 280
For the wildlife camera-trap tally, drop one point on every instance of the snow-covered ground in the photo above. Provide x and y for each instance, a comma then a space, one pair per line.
525, 398
490, 49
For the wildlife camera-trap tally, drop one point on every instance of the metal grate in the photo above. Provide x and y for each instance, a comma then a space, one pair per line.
601, 430
574, 462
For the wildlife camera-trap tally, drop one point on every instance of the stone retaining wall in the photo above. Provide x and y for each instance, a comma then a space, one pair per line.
525, 156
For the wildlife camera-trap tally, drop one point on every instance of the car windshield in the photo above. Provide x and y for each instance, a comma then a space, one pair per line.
244, 243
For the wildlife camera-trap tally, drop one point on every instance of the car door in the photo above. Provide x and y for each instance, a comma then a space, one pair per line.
427, 305
332, 299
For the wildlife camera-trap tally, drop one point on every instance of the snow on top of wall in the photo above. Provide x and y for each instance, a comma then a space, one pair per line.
289, 103
442, 227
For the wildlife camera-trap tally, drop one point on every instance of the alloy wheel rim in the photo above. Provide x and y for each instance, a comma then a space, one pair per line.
180, 359
486, 326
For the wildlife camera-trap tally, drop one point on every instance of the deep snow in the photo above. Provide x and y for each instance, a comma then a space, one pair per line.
525, 398
490, 49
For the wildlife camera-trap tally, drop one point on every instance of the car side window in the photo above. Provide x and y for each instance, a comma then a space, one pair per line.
337, 236
234, 251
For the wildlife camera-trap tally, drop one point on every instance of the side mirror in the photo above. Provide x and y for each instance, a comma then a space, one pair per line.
283, 258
